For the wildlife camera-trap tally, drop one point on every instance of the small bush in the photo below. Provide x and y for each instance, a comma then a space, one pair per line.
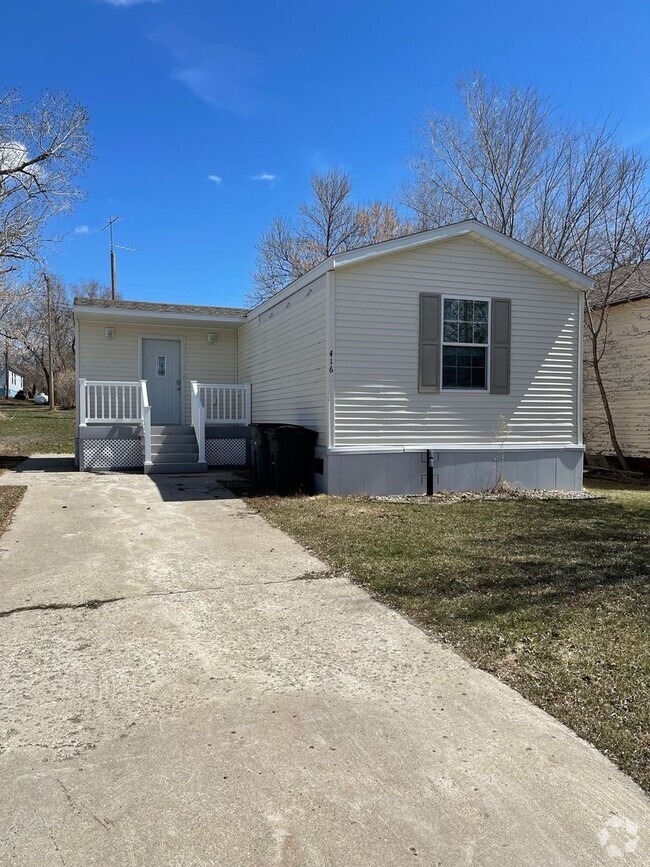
65, 390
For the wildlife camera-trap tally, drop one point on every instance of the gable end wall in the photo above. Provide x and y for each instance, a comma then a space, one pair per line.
377, 402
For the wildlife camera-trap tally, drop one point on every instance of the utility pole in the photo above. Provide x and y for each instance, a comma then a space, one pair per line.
109, 226
6, 369
49, 341
115, 247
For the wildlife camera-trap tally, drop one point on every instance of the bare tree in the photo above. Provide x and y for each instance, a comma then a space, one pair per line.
43, 148
570, 191
26, 325
485, 164
329, 223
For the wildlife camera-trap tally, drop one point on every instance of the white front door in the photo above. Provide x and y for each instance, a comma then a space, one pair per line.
161, 367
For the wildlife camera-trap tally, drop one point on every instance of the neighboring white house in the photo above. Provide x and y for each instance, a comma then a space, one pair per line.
15, 383
443, 360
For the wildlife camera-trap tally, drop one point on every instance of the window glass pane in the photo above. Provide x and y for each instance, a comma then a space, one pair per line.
451, 309
463, 367
465, 332
480, 311
466, 311
449, 377
480, 333
450, 332
160, 365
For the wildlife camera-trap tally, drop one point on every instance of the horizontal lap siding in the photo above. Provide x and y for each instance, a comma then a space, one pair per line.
284, 356
625, 368
377, 319
117, 359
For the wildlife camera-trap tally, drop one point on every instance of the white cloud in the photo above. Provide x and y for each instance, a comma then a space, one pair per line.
125, 3
264, 176
215, 179
222, 75
82, 230
12, 154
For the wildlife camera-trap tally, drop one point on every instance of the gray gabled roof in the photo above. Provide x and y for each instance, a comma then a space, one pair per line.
154, 307
630, 283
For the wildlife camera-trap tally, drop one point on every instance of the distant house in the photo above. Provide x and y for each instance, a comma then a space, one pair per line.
443, 360
625, 369
14, 383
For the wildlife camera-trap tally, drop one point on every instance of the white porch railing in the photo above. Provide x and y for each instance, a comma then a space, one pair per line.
107, 402
226, 404
116, 402
146, 421
110, 402
198, 419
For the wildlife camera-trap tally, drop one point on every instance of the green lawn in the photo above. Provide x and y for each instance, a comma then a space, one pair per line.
26, 429
549, 595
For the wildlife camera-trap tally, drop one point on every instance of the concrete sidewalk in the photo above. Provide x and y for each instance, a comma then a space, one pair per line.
182, 684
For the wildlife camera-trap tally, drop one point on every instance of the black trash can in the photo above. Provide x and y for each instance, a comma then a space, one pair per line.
291, 453
261, 456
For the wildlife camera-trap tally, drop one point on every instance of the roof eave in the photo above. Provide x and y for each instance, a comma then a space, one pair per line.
88, 311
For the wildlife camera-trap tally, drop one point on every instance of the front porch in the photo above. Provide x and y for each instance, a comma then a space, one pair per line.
118, 430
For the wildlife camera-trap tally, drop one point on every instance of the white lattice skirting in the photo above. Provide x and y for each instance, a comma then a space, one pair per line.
111, 454
226, 452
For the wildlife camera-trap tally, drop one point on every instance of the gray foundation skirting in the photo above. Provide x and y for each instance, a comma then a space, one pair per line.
388, 473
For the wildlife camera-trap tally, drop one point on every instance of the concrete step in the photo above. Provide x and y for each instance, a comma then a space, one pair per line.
181, 467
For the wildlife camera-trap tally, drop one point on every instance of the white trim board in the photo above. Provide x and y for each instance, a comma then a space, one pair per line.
457, 447
84, 313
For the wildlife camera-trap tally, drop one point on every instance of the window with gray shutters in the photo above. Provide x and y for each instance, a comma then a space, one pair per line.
465, 343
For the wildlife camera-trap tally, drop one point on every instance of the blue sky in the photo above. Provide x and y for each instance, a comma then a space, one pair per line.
258, 95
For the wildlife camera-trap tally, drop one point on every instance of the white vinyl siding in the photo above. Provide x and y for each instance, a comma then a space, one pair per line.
377, 402
282, 353
625, 368
118, 358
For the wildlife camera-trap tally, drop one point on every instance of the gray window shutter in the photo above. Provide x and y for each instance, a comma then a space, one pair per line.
500, 346
429, 342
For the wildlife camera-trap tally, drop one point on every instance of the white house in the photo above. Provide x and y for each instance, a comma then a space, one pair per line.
442, 360
11, 381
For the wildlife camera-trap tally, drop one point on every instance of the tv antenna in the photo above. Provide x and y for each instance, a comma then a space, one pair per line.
114, 247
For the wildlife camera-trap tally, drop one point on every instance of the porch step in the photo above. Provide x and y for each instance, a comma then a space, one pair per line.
174, 457
172, 429
174, 450
171, 444
180, 467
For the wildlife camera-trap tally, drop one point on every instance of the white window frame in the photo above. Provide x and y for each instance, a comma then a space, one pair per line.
443, 343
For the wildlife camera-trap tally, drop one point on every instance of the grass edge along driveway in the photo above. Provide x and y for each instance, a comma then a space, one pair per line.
10, 497
551, 596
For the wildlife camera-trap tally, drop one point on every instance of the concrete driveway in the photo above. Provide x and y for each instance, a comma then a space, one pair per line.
183, 685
